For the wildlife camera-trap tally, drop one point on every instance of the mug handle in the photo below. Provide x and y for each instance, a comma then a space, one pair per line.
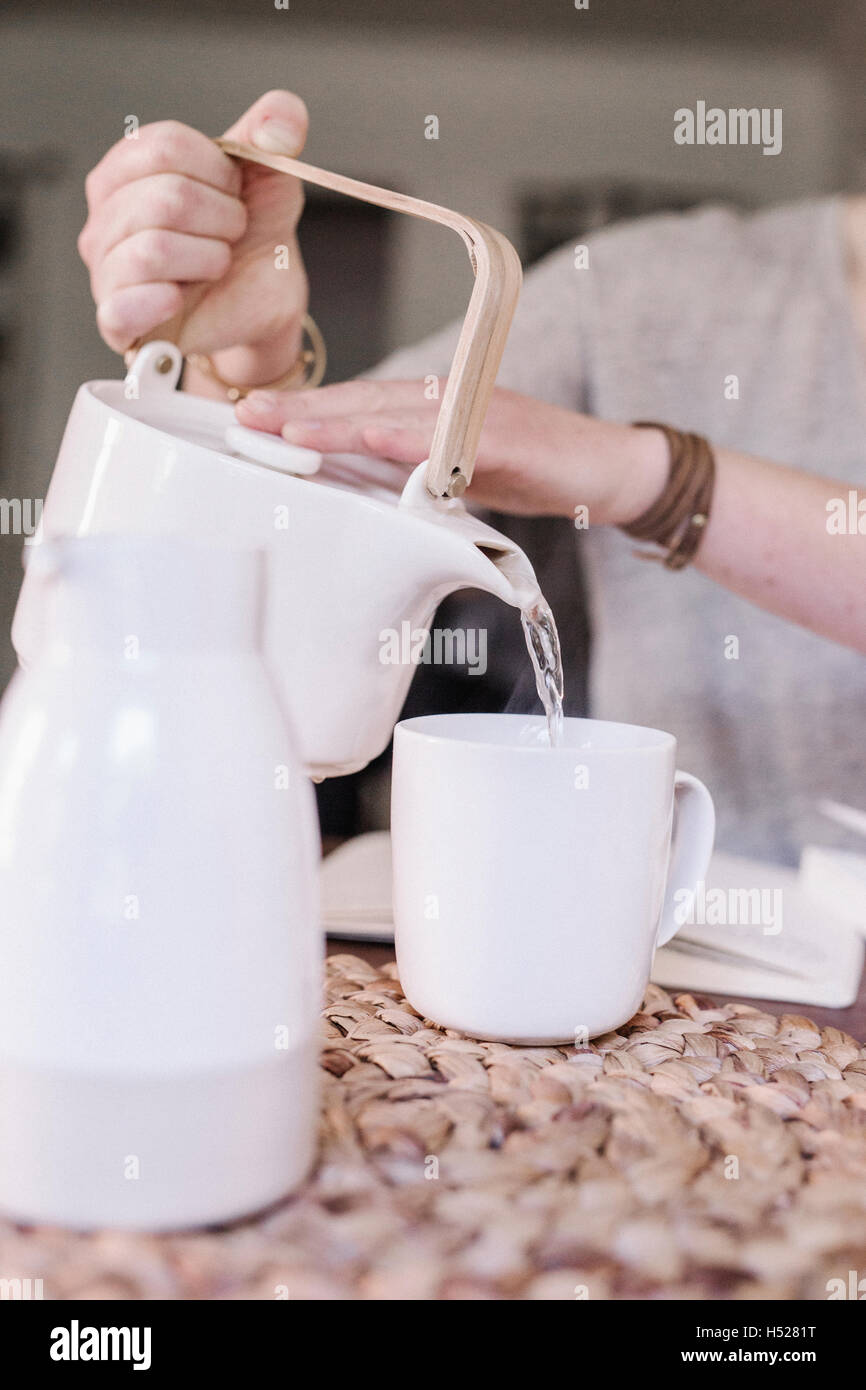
691, 847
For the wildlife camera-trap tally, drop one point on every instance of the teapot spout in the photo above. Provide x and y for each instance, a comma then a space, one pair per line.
476, 555
497, 565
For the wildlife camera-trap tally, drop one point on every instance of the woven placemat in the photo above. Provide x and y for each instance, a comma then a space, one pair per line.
701, 1151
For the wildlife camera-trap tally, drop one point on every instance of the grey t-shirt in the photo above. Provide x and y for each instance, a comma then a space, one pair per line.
667, 312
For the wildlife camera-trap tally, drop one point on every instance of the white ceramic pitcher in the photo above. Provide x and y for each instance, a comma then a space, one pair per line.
348, 562
160, 950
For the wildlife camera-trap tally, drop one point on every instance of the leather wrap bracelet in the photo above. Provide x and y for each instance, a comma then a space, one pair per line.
678, 518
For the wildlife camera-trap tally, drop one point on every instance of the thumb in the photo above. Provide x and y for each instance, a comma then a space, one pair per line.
276, 123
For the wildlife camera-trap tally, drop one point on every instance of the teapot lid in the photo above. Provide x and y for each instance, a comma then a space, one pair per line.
149, 394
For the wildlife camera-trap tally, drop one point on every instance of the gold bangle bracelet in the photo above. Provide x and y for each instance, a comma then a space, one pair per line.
305, 373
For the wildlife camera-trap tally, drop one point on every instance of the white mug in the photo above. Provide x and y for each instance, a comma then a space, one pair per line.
532, 884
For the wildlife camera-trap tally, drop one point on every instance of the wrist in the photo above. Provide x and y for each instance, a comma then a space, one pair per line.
249, 365
642, 476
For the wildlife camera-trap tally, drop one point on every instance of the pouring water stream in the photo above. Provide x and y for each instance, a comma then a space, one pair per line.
542, 642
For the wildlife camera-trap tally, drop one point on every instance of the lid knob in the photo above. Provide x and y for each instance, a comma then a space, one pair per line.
271, 450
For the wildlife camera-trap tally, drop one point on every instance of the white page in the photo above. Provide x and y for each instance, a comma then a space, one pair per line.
788, 947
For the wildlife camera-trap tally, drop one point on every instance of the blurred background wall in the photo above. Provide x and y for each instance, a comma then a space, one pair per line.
551, 119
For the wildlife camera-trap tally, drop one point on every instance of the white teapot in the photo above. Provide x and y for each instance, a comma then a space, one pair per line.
351, 559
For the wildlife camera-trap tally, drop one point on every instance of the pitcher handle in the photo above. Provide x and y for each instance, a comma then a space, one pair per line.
485, 328
692, 845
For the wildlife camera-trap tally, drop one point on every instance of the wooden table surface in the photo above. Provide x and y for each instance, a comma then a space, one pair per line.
851, 1020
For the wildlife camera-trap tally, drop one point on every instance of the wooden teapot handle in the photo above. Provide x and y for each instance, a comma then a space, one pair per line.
485, 327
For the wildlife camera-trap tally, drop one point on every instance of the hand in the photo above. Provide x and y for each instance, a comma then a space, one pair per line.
168, 210
534, 459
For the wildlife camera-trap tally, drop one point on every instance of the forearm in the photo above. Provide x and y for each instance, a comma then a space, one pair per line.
768, 540
768, 537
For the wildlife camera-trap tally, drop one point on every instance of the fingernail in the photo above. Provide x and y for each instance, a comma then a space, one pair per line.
278, 137
296, 433
260, 402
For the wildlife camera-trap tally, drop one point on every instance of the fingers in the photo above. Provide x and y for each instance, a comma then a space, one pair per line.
130, 313
164, 208
136, 286
277, 122
404, 436
399, 443
385, 419
167, 208
159, 255
268, 410
398, 439
166, 147
172, 201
